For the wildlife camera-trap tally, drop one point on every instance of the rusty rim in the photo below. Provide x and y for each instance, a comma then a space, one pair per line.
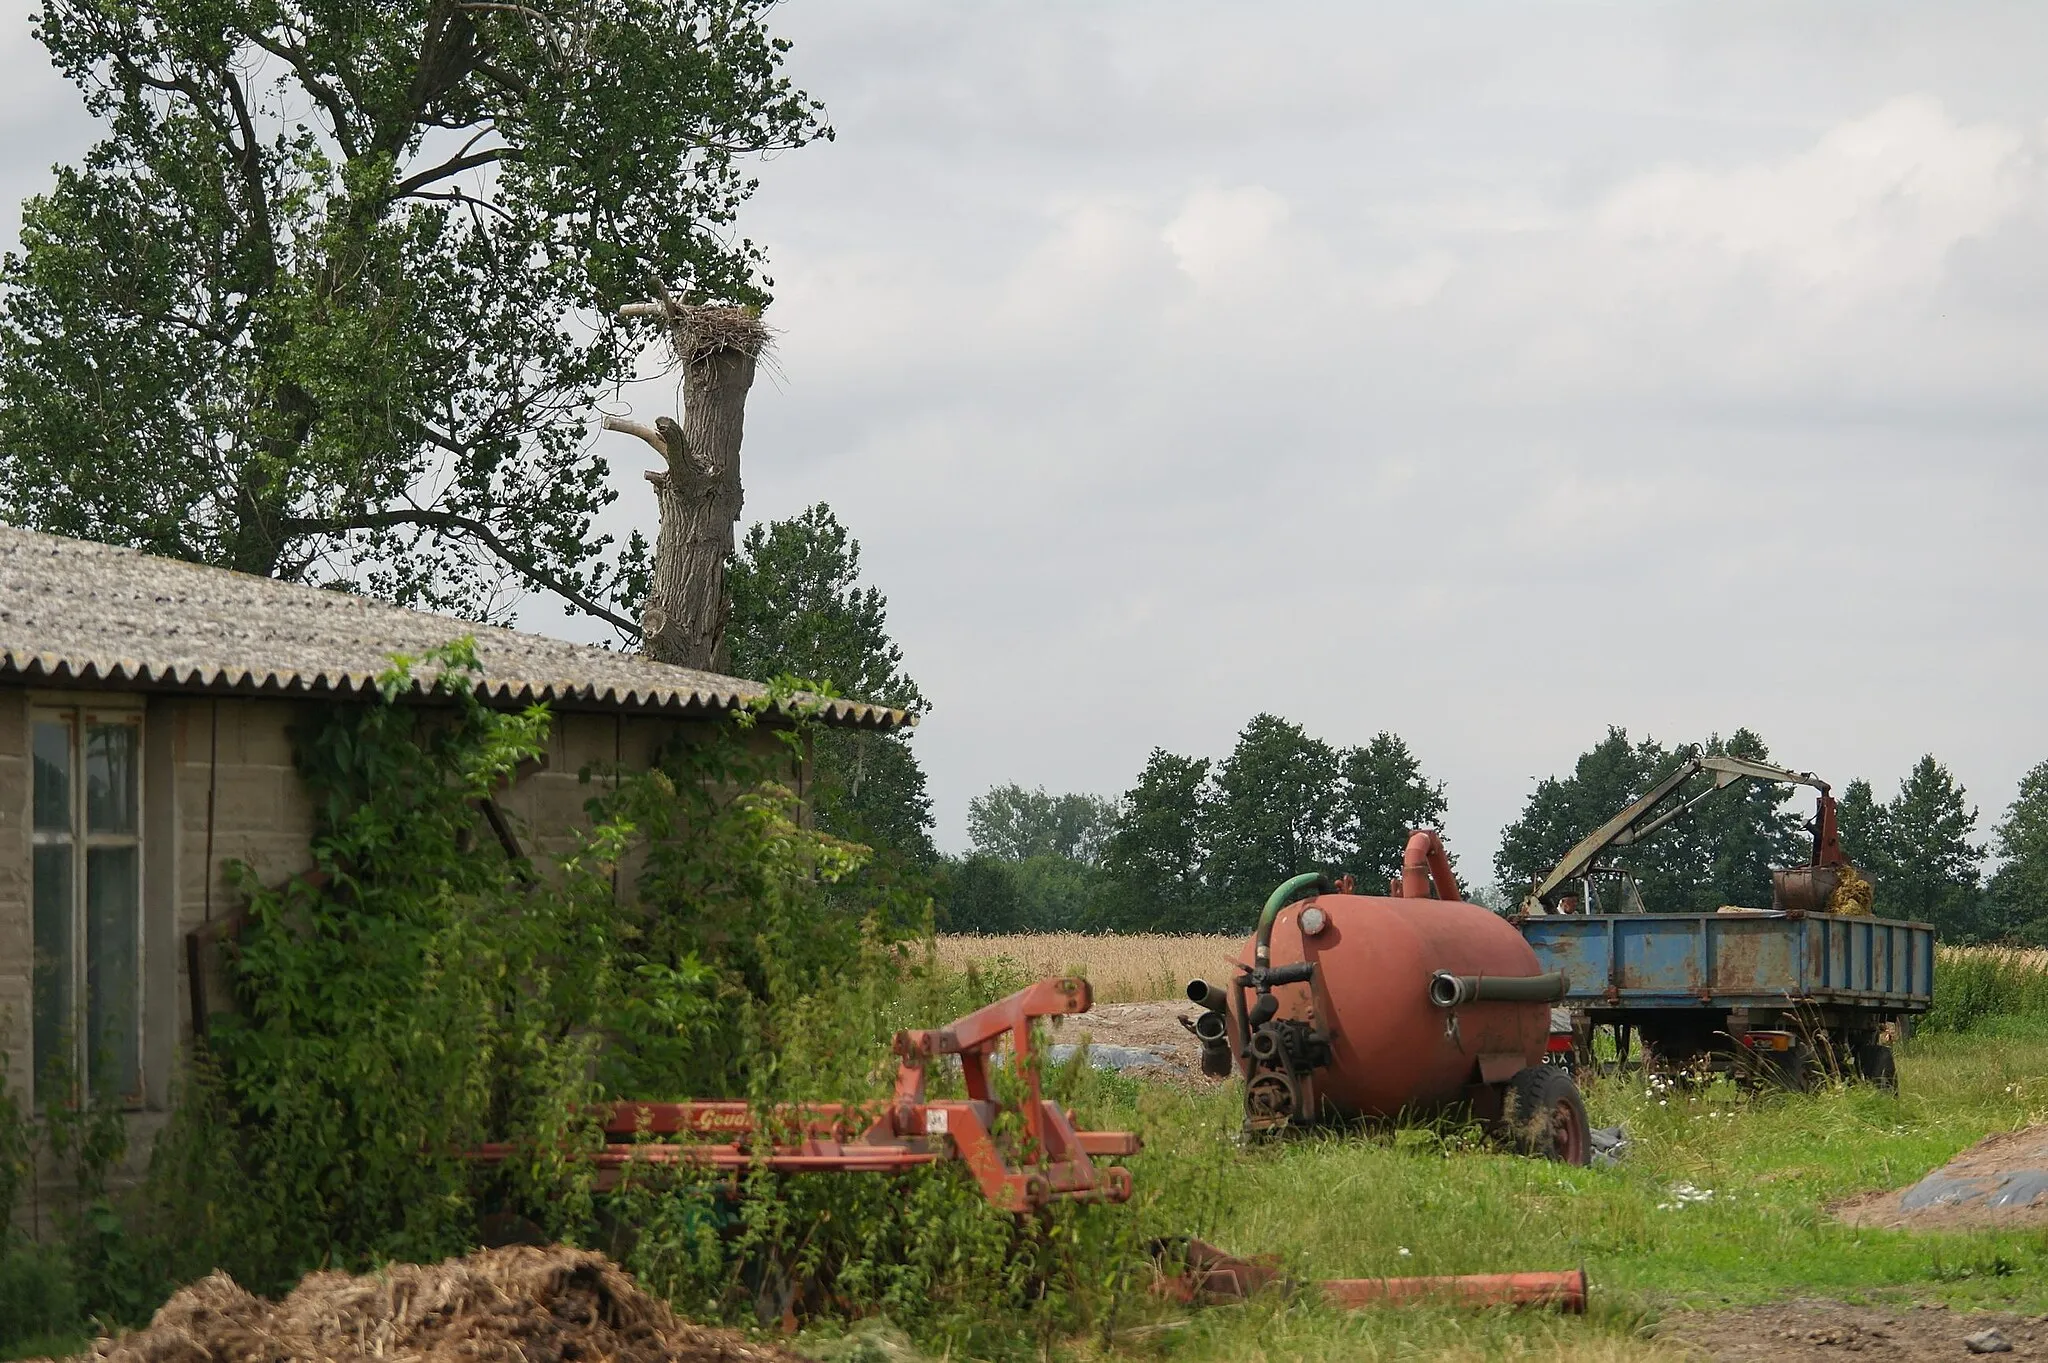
1568, 1136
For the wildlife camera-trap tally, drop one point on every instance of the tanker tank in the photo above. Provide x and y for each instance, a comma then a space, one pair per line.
1348, 1006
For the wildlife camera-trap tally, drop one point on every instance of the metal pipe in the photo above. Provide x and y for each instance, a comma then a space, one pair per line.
1425, 863
1210, 996
1450, 991
1262, 951
1565, 1291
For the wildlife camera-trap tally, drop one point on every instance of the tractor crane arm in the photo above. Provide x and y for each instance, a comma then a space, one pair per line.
1655, 809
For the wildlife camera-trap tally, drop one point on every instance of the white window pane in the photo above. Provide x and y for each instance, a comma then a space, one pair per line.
55, 1018
113, 975
53, 776
110, 784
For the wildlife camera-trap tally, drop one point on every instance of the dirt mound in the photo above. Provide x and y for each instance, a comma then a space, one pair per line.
2002, 1180
1827, 1329
1152, 1028
515, 1305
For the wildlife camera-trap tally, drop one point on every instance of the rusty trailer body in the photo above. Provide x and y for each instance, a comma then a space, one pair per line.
1718, 990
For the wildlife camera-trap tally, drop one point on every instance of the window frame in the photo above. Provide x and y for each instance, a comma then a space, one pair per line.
79, 717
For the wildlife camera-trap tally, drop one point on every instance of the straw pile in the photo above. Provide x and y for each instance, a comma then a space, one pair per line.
515, 1305
1852, 893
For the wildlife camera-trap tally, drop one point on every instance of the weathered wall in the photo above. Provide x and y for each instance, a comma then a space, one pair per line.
219, 786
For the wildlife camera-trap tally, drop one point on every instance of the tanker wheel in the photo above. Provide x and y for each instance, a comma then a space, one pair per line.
1546, 1117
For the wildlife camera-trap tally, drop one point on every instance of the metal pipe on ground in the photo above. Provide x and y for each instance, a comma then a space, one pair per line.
1564, 1291
1197, 1272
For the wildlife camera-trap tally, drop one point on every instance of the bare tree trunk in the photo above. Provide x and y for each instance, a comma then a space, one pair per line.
699, 493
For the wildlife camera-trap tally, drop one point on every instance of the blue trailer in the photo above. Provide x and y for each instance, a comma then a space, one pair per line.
1783, 994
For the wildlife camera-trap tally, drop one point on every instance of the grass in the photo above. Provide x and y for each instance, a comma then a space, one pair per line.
1720, 1201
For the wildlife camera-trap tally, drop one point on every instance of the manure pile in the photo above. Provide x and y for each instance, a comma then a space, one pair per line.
515, 1305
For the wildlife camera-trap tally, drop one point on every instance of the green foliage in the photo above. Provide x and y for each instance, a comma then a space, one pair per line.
419, 994
1917, 847
1015, 824
1274, 811
1156, 855
1198, 845
411, 998
1977, 988
308, 310
1385, 798
1722, 853
799, 610
1044, 893
2019, 891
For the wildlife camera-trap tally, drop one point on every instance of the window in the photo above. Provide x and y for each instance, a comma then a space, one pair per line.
88, 897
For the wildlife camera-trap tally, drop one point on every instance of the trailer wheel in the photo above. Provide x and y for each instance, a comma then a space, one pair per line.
1876, 1065
1545, 1116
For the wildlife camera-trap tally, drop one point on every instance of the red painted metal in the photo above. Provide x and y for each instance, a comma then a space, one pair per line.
1050, 1160
1391, 1049
1199, 1273
1426, 868
1565, 1291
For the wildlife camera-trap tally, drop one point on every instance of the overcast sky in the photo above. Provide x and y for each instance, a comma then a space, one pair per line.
1486, 373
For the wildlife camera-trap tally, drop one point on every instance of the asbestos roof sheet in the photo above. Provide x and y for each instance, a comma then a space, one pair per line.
73, 611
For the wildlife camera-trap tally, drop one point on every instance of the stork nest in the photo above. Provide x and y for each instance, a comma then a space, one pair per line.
696, 331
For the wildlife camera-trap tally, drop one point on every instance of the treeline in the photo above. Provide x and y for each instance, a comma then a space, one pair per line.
1917, 846
1195, 845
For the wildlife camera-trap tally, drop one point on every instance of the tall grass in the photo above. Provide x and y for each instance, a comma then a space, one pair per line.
1124, 969
1976, 988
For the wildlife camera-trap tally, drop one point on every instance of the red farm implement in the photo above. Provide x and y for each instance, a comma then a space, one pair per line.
1042, 1159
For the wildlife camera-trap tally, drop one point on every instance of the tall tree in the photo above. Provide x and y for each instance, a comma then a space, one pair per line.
1016, 824
698, 492
1155, 857
799, 610
1721, 853
1561, 810
2019, 892
1384, 797
1735, 839
1932, 869
309, 310
1275, 812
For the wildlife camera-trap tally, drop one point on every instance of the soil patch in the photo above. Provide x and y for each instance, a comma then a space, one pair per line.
1153, 1028
1827, 1329
2001, 1181
513, 1305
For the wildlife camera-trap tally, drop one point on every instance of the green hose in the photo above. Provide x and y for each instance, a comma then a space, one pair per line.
1262, 951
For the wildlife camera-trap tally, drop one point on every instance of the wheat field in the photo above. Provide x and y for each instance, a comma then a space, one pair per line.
1141, 966
1125, 969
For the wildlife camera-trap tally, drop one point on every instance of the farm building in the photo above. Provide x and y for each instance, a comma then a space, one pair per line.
146, 707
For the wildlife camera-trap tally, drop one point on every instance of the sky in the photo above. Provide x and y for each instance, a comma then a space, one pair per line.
1485, 373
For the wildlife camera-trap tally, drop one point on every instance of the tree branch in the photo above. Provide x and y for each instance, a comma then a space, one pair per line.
449, 521
322, 93
646, 433
454, 165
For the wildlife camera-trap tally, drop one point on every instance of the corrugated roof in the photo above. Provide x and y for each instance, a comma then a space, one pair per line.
74, 611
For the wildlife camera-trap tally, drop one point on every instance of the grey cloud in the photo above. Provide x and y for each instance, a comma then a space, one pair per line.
1489, 374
